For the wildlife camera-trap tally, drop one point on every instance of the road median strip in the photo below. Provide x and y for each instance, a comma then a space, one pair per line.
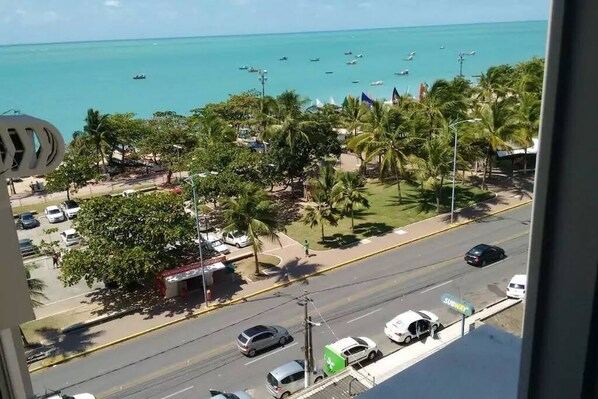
277, 286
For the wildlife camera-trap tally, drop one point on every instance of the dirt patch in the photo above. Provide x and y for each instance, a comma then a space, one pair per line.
268, 266
48, 328
510, 320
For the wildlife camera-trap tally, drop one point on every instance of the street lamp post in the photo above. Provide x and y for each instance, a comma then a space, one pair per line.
191, 180
453, 126
178, 149
461, 58
263, 79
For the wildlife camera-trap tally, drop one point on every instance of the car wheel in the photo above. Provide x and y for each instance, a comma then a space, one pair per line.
318, 379
483, 263
251, 353
237, 245
372, 355
407, 339
282, 341
503, 255
285, 395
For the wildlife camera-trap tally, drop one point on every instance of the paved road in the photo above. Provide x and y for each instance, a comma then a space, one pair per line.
184, 360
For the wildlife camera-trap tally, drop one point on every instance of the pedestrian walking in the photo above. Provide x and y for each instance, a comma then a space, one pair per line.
306, 248
55, 259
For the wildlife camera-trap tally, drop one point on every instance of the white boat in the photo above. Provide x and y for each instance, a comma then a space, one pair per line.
352, 62
377, 83
403, 72
331, 101
471, 53
359, 56
411, 54
410, 58
319, 103
442, 47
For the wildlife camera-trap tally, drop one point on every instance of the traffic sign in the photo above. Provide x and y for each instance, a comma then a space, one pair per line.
460, 305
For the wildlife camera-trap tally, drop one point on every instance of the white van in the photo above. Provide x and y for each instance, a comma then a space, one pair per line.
517, 286
216, 243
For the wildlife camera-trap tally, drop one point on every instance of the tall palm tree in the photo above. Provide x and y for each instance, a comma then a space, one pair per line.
527, 115
349, 193
497, 126
36, 293
252, 213
352, 114
97, 128
321, 213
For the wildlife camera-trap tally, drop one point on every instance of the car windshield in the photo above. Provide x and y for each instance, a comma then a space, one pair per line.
517, 286
70, 204
242, 338
53, 211
272, 380
360, 341
216, 243
24, 243
230, 396
26, 216
425, 316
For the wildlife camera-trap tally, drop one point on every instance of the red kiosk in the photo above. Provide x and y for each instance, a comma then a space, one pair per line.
174, 282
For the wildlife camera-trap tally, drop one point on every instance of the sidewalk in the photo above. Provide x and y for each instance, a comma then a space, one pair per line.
293, 265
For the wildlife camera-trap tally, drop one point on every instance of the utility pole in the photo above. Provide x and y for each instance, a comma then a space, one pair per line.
306, 346
460, 59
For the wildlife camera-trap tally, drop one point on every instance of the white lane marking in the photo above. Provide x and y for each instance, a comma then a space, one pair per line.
400, 232
364, 315
178, 392
271, 353
365, 241
436, 286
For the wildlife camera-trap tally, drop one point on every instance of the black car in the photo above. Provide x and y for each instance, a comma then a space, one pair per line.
26, 220
26, 246
482, 254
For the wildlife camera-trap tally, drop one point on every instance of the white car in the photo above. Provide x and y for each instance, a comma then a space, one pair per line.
236, 238
70, 208
129, 192
517, 286
411, 325
75, 396
216, 244
70, 237
54, 214
355, 349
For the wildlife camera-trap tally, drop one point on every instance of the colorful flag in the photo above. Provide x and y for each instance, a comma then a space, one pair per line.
395, 96
366, 99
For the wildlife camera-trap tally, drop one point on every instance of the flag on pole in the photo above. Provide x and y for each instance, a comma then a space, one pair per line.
395, 96
366, 99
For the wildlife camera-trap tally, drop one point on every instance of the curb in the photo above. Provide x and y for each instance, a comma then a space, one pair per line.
99, 320
274, 287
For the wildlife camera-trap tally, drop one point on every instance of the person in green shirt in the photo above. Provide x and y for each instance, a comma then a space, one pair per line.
306, 247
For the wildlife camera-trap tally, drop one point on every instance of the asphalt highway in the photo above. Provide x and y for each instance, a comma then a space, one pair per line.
185, 360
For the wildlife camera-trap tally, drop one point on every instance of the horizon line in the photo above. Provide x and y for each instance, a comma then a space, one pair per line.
266, 33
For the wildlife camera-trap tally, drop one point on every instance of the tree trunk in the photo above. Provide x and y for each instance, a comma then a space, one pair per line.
485, 168
439, 194
399, 186
169, 176
352, 220
257, 263
68, 194
122, 167
525, 161
322, 226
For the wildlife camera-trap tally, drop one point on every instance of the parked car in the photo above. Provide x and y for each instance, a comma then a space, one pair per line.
517, 286
54, 214
261, 337
27, 247
59, 395
216, 244
129, 192
224, 395
236, 238
287, 379
411, 325
70, 209
482, 254
355, 349
70, 237
26, 220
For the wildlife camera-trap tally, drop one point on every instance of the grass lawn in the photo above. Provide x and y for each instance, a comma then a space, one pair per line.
385, 213
41, 205
49, 328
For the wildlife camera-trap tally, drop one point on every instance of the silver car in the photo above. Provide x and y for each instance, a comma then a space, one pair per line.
289, 378
225, 395
261, 337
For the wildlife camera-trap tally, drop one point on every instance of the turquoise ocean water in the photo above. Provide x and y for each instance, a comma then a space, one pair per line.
58, 82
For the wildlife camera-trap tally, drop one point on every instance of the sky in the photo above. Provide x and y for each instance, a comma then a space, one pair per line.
43, 21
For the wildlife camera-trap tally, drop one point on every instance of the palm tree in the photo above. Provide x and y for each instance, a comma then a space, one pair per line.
496, 129
527, 115
97, 128
435, 162
321, 213
253, 214
352, 114
349, 193
36, 293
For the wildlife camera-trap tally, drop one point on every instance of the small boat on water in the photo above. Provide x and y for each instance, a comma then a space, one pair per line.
352, 62
244, 67
314, 59
359, 56
348, 52
377, 83
410, 58
283, 58
442, 47
329, 72
252, 69
355, 81
138, 77
471, 53
403, 72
